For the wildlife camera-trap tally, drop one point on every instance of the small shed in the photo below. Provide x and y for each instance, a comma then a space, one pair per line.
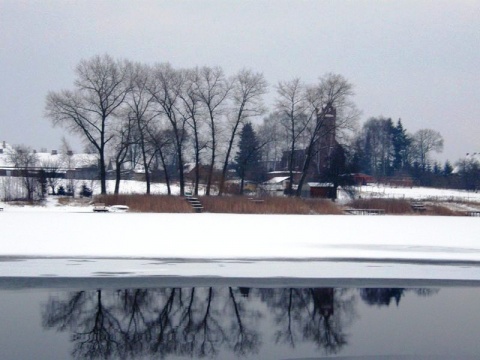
322, 190
275, 186
362, 179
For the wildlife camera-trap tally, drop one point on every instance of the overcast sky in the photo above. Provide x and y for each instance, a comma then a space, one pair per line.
414, 60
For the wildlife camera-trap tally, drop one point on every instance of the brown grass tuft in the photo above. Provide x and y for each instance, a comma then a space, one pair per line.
64, 200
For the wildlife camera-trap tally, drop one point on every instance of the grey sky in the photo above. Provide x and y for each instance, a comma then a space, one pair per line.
414, 60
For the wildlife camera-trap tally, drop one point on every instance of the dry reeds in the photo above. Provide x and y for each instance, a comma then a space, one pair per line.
439, 210
390, 206
147, 203
224, 204
265, 205
268, 205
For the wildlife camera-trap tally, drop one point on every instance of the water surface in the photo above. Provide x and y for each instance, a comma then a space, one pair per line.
241, 322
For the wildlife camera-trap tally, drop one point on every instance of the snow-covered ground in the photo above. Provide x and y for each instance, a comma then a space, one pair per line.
417, 193
75, 242
51, 242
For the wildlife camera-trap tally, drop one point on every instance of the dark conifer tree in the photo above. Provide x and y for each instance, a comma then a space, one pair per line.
447, 168
401, 143
247, 160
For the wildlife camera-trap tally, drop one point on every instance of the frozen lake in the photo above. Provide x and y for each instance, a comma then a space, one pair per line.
74, 284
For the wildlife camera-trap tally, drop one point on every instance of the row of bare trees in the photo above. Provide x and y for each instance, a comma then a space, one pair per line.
158, 115
155, 116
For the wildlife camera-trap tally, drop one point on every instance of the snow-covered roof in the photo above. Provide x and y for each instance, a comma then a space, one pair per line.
277, 180
5, 150
51, 159
67, 161
282, 172
317, 184
187, 167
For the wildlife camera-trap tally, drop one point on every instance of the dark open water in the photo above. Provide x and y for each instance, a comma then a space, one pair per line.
223, 322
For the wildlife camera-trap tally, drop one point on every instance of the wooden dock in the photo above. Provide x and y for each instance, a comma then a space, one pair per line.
365, 211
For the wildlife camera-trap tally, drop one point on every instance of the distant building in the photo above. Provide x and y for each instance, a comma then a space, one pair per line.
321, 190
69, 165
328, 139
325, 147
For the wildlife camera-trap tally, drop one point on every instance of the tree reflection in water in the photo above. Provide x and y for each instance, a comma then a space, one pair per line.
201, 322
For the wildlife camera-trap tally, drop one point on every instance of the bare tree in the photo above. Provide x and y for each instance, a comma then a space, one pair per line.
273, 135
162, 141
100, 89
376, 142
191, 111
52, 170
140, 109
332, 93
292, 106
25, 161
69, 163
248, 89
124, 139
165, 88
424, 142
213, 89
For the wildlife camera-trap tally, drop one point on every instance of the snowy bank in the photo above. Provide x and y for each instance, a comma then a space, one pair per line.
49, 243
227, 236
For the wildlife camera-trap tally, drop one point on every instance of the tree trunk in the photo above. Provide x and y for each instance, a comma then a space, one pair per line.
118, 176
211, 167
103, 173
167, 178
306, 166
227, 156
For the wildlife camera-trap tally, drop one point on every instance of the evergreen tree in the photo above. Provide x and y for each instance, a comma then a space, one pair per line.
248, 157
447, 168
401, 142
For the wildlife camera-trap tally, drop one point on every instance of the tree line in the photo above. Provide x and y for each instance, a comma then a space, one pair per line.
160, 118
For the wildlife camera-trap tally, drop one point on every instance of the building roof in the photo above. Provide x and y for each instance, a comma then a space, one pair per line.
51, 159
316, 184
277, 180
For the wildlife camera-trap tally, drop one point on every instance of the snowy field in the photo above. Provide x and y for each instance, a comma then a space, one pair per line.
417, 193
67, 244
